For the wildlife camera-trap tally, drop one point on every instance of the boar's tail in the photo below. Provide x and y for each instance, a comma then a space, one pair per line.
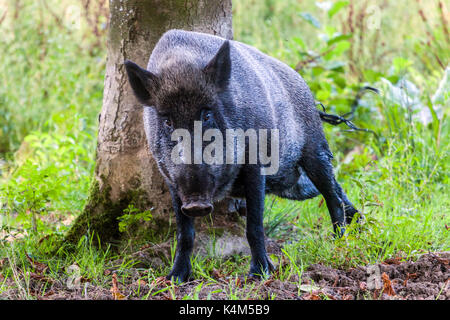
302, 190
346, 118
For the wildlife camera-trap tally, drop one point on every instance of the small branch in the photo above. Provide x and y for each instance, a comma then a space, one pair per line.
58, 20
335, 120
3, 16
304, 63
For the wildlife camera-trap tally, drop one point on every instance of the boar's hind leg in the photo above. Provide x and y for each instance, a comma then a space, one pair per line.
185, 242
254, 184
317, 165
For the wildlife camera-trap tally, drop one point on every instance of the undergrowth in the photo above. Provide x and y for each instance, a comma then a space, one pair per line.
396, 175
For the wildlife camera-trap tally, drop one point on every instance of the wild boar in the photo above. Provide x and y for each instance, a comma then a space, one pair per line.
199, 87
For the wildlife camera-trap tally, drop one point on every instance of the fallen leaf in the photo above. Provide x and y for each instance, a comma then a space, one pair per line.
216, 274
409, 276
3, 262
387, 285
40, 296
39, 267
442, 261
115, 289
336, 280
238, 282
146, 246
39, 277
140, 282
267, 282
311, 296
166, 296
331, 296
49, 293
161, 280
395, 260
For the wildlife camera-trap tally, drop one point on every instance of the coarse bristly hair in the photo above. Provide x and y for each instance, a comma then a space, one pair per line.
226, 84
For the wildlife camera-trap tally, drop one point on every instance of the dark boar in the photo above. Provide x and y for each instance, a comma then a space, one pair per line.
194, 78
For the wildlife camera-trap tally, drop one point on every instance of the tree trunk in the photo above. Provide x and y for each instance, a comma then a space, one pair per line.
126, 173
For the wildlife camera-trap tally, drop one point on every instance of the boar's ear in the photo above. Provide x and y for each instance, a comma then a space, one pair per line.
142, 82
218, 70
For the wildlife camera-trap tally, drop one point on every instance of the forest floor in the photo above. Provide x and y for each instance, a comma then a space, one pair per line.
426, 276
396, 173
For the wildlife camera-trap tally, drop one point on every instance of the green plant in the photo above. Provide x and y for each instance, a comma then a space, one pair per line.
131, 216
51, 92
44, 182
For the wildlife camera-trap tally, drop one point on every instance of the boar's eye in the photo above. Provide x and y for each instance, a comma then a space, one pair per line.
168, 123
207, 115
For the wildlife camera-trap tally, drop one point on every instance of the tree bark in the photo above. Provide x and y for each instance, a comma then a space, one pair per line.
126, 173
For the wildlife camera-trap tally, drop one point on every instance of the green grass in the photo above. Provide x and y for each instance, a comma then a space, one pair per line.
51, 93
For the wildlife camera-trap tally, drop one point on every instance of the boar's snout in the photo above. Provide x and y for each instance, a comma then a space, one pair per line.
197, 208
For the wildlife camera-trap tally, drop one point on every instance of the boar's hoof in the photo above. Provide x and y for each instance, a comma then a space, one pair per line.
179, 277
197, 209
350, 213
261, 269
339, 231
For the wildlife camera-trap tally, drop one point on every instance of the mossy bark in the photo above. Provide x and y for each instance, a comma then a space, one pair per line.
125, 171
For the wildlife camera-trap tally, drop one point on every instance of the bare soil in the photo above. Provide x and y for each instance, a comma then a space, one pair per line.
427, 277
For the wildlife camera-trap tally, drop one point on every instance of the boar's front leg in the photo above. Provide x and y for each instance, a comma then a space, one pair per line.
185, 242
254, 184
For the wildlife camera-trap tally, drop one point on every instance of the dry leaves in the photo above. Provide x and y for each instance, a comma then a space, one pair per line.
311, 296
396, 261
445, 262
161, 281
320, 295
409, 276
387, 285
140, 283
217, 274
238, 282
39, 267
115, 289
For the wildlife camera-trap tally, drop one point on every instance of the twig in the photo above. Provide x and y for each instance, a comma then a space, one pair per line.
303, 63
3, 16
358, 97
58, 20
334, 119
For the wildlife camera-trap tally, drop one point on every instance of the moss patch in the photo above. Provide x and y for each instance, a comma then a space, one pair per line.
99, 217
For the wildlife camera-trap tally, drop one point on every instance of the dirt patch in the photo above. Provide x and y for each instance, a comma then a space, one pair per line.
427, 277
